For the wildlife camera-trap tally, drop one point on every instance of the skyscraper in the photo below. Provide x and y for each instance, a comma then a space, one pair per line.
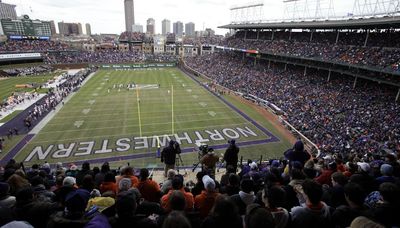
88, 29
189, 29
151, 23
80, 30
166, 26
129, 15
53, 28
7, 11
178, 28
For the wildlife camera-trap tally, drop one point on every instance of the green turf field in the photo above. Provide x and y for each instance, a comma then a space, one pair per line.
124, 125
7, 86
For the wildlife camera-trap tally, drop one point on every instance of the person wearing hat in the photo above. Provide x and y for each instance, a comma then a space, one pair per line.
168, 156
74, 212
297, 153
167, 185
387, 175
205, 201
231, 156
209, 162
363, 177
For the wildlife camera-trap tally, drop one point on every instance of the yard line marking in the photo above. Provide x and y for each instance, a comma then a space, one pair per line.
95, 94
78, 124
195, 96
136, 125
99, 88
91, 102
203, 104
189, 90
86, 111
151, 133
212, 113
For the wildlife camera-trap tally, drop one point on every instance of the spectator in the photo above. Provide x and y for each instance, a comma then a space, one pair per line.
149, 189
387, 175
167, 185
109, 184
231, 155
345, 214
127, 172
176, 220
205, 201
258, 217
83, 172
245, 196
223, 214
314, 212
177, 185
386, 212
274, 200
6, 200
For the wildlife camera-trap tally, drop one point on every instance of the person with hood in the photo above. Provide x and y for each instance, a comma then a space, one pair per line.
297, 153
74, 212
231, 155
168, 156
274, 199
312, 212
245, 197
205, 201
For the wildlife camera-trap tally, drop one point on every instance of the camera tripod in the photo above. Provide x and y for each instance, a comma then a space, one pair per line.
179, 163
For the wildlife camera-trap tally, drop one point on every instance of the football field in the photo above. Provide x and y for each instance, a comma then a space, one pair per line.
126, 116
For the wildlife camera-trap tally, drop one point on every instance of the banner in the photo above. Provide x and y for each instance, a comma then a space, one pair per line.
136, 66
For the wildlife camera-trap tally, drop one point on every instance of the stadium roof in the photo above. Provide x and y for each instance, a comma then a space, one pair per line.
362, 23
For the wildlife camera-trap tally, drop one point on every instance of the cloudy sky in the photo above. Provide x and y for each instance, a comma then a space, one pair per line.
107, 16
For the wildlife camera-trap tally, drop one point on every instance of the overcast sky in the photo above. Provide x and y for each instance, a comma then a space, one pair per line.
107, 16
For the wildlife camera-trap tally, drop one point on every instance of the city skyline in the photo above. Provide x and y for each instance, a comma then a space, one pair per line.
196, 11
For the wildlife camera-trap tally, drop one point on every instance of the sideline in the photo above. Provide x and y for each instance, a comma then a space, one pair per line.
50, 116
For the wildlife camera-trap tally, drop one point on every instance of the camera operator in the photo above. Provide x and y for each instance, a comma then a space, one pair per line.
168, 156
209, 162
231, 155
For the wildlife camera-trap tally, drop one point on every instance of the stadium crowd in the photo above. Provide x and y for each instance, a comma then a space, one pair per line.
336, 117
295, 191
349, 49
32, 46
34, 70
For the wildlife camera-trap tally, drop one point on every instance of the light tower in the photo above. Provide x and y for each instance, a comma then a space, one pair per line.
252, 12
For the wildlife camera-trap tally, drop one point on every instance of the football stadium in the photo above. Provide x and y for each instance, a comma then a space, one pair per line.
291, 122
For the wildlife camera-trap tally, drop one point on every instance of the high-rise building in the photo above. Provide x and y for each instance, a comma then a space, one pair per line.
189, 29
178, 28
129, 15
137, 28
151, 24
88, 29
80, 30
7, 11
67, 29
166, 26
53, 28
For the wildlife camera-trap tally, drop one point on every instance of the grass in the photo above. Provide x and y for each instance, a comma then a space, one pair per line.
9, 144
10, 116
7, 86
96, 123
